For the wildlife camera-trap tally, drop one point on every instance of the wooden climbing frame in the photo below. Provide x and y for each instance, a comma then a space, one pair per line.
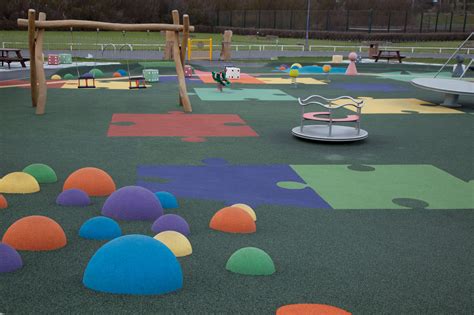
36, 30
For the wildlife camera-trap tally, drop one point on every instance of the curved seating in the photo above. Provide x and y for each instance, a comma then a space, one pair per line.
332, 130
314, 116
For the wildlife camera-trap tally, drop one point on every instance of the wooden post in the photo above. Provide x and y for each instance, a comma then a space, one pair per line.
184, 40
183, 94
31, 46
168, 54
42, 87
226, 46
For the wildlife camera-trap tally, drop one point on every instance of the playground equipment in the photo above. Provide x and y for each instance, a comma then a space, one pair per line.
36, 29
352, 69
221, 80
459, 68
232, 73
188, 71
331, 131
134, 82
326, 70
82, 79
451, 88
337, 59
294, 73
200, 49
151, 75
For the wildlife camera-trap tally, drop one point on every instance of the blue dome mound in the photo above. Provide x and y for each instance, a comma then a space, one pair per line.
100, 228
122, 72
167, 200
134, 264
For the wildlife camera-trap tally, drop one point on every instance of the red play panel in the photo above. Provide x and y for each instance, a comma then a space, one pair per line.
191, 127
206, 77
14, 83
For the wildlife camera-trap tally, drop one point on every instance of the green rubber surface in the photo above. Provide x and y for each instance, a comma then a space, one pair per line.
397, 260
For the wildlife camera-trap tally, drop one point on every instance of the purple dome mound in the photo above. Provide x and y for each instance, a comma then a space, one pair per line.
10, 260
171, 222
74, 198
132, 203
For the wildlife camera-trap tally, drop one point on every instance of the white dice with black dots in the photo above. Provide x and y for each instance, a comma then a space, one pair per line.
232, 73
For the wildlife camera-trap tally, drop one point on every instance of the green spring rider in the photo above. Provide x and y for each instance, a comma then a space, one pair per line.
220, 79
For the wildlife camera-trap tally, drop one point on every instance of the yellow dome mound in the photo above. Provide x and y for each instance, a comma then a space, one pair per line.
247, 208
176, 242
19, 183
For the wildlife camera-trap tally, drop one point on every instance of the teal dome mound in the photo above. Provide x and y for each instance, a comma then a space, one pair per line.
43, 173
100, 228
167, 200
97, 73
68, 76
134, 264
251, 261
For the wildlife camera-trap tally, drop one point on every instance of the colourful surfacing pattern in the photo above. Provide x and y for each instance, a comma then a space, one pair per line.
401, 106
191, 128
314, 186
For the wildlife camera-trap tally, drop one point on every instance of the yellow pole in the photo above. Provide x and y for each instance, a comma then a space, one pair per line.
210, 49
189, 48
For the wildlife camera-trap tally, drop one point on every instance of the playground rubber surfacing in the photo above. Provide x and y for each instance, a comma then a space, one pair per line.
386, 247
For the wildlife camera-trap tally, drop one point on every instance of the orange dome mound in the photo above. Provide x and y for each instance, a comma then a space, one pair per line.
35, 233
233, 220
94, 181
3, 202
313, 309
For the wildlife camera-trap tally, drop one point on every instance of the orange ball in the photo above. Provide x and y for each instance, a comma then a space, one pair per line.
326, 68
295, 309
94, 181
35, 233
233, 220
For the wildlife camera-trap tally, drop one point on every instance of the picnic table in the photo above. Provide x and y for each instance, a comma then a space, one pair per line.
388, 54
6, 56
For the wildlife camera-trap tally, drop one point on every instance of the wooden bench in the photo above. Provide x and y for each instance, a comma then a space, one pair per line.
6, 58
388, 54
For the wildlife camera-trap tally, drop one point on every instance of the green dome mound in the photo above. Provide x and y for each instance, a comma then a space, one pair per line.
251, 261
68, 76
42, 173
97, 73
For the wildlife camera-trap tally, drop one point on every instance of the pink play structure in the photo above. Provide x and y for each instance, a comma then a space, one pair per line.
351, 69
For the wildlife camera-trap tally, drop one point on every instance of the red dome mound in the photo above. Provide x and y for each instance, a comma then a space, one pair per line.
3, 202
313, 309
35, 233
94, 181
233, 220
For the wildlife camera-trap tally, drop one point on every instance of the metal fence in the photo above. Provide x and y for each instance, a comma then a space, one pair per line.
350, 21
